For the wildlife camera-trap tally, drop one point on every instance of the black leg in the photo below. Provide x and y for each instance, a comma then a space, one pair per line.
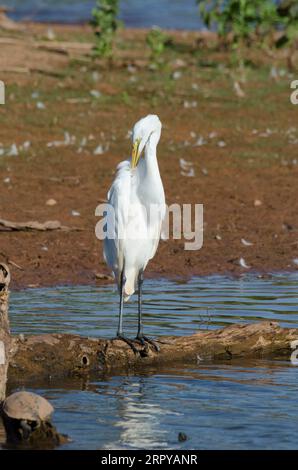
140, 336
120, 324
140, 324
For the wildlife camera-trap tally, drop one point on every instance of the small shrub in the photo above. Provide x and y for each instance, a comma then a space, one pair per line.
288, 14
247, 20
157, 41
105, 24
239, 18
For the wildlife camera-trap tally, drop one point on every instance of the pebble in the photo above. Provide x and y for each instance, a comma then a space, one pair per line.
176, 75
95, 93
243, 264
13, 151
212, 135
200, 141
182, 437
103, 276
257, 203
40, 105
221, 143
99, 150
75, 213
51, 202
246, 242
190, 104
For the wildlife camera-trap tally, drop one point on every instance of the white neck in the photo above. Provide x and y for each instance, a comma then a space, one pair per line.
150, 160
148, 174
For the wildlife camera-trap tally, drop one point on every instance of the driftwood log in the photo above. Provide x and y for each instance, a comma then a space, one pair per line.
58, 355
8, 226
61, 355
5, 338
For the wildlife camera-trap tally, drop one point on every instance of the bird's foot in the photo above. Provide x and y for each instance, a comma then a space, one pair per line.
144, 339
128, 341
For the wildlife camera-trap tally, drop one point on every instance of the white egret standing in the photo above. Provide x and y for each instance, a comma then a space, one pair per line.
138, 200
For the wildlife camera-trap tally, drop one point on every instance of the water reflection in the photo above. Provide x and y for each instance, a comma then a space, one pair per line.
245, 405
235, 404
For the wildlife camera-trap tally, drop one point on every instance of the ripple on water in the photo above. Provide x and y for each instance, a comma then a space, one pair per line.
235, 405
169, 307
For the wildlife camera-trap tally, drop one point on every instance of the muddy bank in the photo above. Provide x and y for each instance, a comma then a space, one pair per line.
243, 153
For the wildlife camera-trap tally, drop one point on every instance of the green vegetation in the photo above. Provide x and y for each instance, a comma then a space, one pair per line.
265, 24
157, 40
105, 24
239, 17
241, 22
238, 20
288, 13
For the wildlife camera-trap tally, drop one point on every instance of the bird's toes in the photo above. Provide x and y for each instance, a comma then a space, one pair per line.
128, 341
144, 340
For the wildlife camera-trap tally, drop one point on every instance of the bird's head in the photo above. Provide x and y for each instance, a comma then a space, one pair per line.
147, 128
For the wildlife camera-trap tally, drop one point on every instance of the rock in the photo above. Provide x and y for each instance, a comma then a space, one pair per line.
75, 213
103, 276
182, 437
95, 94
40, 105
257, 203
51, 202
26, 417
243, 263
27, 406
13, 151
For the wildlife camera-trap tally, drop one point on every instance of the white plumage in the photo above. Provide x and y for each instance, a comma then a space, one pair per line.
137, 197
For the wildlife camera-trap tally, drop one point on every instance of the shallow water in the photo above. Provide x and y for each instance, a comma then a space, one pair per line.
171, 14
240, 404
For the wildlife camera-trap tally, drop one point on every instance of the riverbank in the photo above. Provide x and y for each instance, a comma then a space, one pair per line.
65, 126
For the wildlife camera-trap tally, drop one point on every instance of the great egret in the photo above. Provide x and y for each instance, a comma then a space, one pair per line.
138, 201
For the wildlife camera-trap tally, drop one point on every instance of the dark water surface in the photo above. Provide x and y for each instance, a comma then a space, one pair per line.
175, 14
240, 404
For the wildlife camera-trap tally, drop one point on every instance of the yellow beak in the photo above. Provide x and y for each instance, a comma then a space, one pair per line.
135, 153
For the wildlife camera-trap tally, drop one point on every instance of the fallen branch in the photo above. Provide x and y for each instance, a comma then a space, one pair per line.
5, 69
5, 338
59, 355
48, 72
64, 47
7, 225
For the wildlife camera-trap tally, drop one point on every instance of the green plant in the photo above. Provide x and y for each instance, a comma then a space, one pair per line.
288, 14
105, 24
245, 20
157, 41
239, 19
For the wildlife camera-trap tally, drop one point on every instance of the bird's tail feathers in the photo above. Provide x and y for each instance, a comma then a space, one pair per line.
130, 284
